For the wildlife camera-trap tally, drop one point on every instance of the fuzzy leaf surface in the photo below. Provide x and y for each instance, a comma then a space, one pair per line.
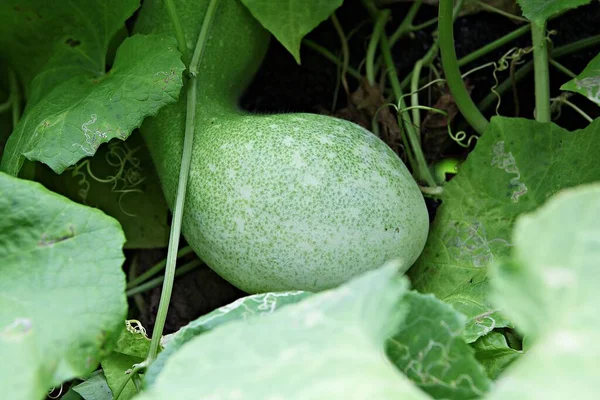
241, 309
549, 287
62, 299
333, 339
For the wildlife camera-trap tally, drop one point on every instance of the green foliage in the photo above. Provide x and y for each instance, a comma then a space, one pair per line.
328, 345
516, 165
549, 287
587, 83
429, 349
290, 20
242, 309
91, 107
539, 11
54, 41
62, 287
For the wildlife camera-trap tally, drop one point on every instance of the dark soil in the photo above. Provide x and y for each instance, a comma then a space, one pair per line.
283, 86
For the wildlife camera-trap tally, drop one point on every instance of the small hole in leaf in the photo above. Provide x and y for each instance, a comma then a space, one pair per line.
72, 42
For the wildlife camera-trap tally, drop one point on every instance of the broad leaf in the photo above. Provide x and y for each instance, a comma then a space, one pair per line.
94, 388
494, 354
430, 350
78, 115
328, 346
290, 20
62, 299
587, 82
550, 289
539, 11
121, 181
58, 38
516, 165
241, 309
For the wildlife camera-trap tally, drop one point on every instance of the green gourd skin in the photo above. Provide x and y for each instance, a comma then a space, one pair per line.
277, 202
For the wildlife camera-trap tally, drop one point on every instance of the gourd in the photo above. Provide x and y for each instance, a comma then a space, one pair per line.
277, 202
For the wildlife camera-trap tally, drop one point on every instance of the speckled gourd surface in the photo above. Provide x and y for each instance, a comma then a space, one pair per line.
277, 202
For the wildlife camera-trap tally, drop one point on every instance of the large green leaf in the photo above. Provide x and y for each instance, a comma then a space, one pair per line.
494, 354
516, 165
58, 39
290, 20
241, 309
587, 82
430, 350
329, 346
539, 11
62, 300
550, 289
88, 109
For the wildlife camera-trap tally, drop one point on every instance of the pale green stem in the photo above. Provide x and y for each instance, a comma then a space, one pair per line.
186, 158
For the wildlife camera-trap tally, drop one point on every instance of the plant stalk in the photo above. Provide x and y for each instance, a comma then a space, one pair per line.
541, 73
186, 158
452, 71
380, 21
151, 284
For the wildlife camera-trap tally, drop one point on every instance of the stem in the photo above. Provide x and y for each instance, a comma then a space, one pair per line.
407, 24
494, 45
578, 110
331, 57
179, 33
563, 69
576, 46
139, 300
151, 284
186, 158
345, 50
453, 76
202, 37
421, 168
373, 43
414, 97
15, 95
159, 266
541, 72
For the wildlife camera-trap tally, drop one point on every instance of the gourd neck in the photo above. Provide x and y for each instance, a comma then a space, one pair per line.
234, 49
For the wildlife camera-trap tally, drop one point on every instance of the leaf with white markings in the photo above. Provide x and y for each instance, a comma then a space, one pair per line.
80, 114
330, 346
516, 165
430, 350
241, 309
587, 83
